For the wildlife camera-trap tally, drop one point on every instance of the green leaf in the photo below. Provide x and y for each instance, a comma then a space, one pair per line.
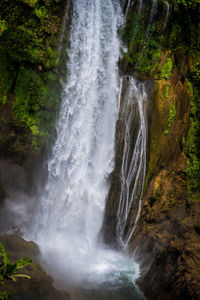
5, 295
4, 255
1, 279
15, 276
10, 269
23, 262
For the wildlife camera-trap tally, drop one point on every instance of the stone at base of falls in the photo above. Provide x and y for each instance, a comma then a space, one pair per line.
40, 286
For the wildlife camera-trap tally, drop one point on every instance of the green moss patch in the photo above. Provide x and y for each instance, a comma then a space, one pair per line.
172, 115
29, 31
166, 70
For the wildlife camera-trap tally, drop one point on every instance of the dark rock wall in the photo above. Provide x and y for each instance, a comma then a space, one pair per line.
166, 241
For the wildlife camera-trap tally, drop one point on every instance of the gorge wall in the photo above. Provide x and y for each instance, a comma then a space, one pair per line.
168, 228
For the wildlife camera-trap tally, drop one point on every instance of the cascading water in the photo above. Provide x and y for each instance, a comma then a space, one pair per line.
82, 157
133, 169
70, 212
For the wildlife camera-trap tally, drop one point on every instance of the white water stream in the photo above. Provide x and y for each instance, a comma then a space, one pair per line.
72, 205
133, 169
70, 211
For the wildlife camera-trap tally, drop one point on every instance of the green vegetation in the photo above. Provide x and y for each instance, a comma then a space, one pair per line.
35, 101
172, 115
184, 25
189, 3
193, 138
8, 271
3, 26
31, 3
166, 69
167, 89
144, 43
145, 40
29, 31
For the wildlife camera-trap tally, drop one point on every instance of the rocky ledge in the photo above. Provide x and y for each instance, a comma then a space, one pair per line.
40, 286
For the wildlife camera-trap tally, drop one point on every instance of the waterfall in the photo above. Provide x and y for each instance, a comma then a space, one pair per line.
133, 168
82, 157
69, 213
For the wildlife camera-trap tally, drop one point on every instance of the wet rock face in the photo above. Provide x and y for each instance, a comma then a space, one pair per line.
128, 126
168, 236
40, 286
110, 218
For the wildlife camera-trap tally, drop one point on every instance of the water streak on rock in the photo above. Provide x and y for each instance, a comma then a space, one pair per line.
133, 169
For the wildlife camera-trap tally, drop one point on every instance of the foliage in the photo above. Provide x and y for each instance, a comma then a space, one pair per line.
166, 69
189, 3
193, 138
31, 33
167, 89
28, 61
41, 12
144, 38
7, 270
184, 26
6, 295
146, 35
35, 101
3, 26
31, 3
172, 115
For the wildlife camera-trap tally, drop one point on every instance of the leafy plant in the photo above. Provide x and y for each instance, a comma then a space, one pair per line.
3, 26
166, 70
7, 270
5, 295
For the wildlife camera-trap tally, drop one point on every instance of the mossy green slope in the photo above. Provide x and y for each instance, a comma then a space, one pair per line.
29, 35
156, 48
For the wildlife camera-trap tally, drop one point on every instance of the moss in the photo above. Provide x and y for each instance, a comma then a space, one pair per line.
172, 115
193, 139
41, 12
3, 26
167, 89
166, 70
29, 32
31, 3
144, 39
35, 101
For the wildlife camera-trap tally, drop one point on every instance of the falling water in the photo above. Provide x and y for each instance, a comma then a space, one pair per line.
167, 12
82, 157
70, 211
133, 167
